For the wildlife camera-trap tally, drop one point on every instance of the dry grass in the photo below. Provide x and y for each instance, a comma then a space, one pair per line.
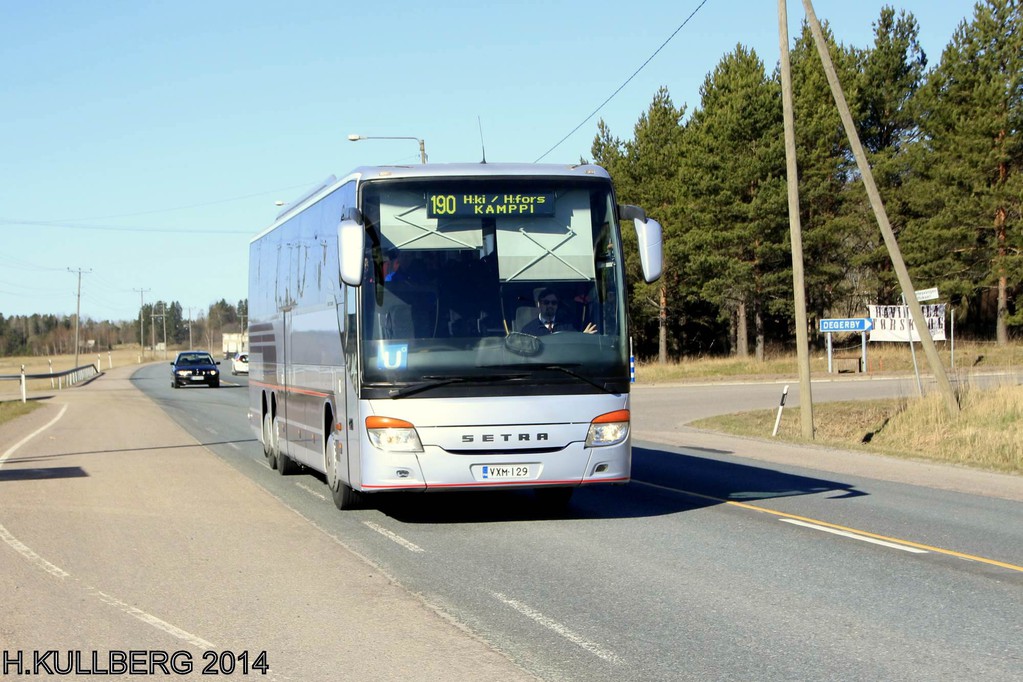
42, 365
987, 433
881, 358
12, 409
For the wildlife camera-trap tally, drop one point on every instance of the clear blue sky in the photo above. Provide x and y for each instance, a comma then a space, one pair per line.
146, 142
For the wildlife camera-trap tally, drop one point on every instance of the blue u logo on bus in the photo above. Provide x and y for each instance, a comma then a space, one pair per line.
393, 356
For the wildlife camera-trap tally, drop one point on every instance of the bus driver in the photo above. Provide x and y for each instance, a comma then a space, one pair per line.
547, 321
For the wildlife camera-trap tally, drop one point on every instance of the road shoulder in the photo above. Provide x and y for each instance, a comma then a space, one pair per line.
144, 525
848, 462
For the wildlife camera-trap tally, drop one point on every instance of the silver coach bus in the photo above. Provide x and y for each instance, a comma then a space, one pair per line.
444, 327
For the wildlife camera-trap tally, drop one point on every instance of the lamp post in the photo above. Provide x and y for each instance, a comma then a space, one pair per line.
422, 144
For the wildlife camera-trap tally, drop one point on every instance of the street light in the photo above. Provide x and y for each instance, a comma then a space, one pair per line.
422, 145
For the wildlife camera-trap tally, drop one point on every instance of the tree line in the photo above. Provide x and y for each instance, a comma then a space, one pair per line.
945, 145
42, 335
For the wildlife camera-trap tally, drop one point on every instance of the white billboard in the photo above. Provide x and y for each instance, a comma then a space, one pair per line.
893, 323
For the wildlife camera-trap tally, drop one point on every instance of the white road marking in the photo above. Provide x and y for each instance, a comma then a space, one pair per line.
558, 628
56, 571
309, 490
26, 552
854, 536
410, 546
152, 620
139, 614
11, 450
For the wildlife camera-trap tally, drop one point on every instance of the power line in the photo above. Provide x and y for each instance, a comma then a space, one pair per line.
23, 265
173, 208
627, 81
114, 228
75, 223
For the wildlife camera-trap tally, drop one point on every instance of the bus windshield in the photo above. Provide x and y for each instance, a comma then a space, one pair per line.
496, 281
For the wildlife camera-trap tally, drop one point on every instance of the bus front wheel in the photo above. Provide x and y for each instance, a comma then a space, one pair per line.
345, 497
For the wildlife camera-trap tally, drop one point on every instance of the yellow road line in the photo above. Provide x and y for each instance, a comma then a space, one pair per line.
807, 519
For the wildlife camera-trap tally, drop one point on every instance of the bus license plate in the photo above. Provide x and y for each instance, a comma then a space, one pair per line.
497, 472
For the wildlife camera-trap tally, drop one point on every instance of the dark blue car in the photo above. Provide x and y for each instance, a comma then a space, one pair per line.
195, 367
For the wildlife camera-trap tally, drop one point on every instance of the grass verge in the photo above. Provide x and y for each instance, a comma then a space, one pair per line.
12, 409
987, 433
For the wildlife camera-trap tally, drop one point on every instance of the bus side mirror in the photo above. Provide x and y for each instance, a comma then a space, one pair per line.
351, 242
648, 233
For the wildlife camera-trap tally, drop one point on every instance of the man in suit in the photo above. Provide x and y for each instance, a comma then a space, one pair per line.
547, 321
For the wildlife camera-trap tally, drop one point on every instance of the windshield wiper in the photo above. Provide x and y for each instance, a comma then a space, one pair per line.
565, 369
438, 381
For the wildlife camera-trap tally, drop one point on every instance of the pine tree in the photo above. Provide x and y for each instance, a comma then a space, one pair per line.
971, 164
826, 167
890, 74
645, 173
732, 178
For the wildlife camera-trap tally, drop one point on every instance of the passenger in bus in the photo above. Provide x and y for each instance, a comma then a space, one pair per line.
396, 268
547, 321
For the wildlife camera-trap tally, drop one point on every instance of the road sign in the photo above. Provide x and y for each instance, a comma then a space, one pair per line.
927, 294
853, 324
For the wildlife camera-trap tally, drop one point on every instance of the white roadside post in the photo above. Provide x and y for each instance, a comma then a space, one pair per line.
781, 406
24, 396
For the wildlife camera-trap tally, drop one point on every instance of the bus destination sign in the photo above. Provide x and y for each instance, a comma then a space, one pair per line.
476, 204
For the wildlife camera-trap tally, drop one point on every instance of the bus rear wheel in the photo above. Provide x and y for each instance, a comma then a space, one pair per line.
285, 465
268, 442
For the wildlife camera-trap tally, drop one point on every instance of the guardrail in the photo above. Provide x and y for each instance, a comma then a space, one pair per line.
58, 380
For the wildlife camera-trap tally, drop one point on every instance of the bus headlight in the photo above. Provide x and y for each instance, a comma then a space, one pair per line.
608, 429
393, 435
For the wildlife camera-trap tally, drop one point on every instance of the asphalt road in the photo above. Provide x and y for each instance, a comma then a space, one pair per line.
723, 559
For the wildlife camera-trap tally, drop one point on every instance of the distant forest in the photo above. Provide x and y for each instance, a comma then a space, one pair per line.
945, 144
55, 334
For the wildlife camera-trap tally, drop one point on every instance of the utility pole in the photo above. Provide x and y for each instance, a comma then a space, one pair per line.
894, 252
142, 320
795, 230
78, 307
163, 317
190, 328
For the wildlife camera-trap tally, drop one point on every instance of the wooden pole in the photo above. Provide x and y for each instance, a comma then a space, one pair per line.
882, 217
795, 231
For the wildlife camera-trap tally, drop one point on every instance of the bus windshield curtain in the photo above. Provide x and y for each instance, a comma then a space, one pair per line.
550, 248
404, 225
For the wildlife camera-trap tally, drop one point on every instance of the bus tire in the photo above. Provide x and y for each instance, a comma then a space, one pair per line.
285, 465
268, 442
345, 497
